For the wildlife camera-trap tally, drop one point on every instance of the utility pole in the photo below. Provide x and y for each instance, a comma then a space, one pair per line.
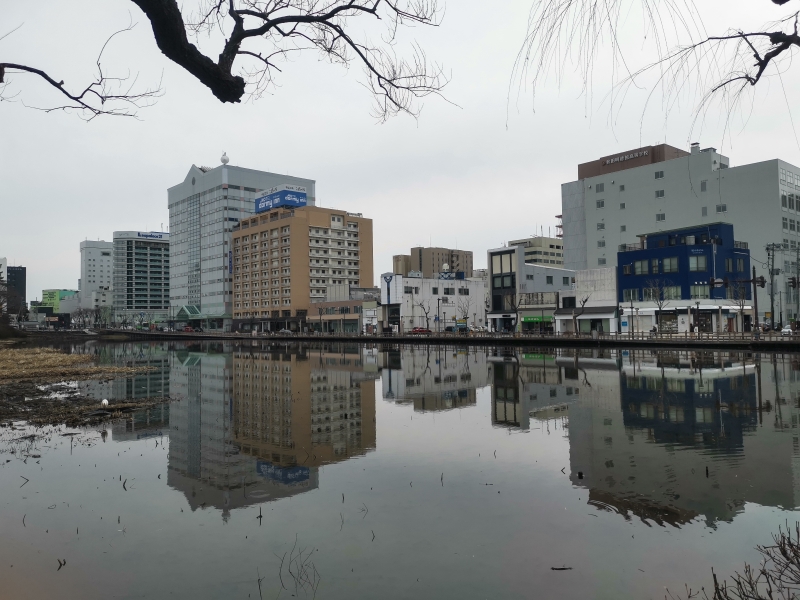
755, 298
771, 249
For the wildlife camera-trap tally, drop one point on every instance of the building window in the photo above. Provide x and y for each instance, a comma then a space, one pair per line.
791, 201
669, 265
449, 291
783, 200
729, 265
631, 295
600, 261
785, 222
626, 269
698, 263
565, 280
704, 211
601, 243
659, 174
622, 188
601, 204
408, 290
672, 292
740, 265
721, 208
600, 187
655, 266
699, 292
661, 217
435, 291
463, 291
792, 225
622, 206
549, 280
659, 193
703, 185
601, 226
640, 267
623, 228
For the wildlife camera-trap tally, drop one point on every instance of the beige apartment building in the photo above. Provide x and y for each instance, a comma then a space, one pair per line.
542, 250
303, 410
282, 260
430, 261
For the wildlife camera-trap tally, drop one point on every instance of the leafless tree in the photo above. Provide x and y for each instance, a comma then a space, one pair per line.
657, 291
425, 307
578, 312
4, 293
739, 293
688, 60
464, 307
257, 37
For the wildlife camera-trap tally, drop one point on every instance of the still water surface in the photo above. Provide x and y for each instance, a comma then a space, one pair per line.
346, 471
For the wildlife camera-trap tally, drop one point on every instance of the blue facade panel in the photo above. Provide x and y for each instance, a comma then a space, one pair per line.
687, 259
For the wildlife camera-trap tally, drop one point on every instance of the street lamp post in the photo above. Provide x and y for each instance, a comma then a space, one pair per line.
697, 316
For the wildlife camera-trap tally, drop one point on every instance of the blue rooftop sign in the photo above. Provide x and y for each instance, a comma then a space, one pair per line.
281, 195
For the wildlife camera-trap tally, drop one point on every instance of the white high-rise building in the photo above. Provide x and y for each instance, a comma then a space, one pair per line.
656, 188
202, 212
97, 266
4, 268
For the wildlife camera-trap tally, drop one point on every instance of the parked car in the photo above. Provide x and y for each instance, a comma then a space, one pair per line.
449, 329
420, 331
286, 332
188, 329
787, 330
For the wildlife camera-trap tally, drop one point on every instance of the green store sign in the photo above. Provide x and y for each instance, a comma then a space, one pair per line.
539, 319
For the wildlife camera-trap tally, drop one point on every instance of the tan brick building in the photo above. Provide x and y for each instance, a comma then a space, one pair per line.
283, 258
430, 261
302, 409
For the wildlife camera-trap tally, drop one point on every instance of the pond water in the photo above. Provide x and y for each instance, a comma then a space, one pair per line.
348, 471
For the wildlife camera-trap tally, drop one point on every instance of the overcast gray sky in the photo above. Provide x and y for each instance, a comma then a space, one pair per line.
470, 176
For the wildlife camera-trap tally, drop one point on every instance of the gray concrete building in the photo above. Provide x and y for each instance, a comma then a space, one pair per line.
141, 277
203, 209
655, 188
522, 296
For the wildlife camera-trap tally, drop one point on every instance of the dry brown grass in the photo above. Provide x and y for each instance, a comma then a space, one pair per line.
48, 365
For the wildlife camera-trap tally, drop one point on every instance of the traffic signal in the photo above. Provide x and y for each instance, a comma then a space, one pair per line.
793, 282
760, 281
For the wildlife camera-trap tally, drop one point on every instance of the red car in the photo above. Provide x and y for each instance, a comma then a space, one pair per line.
188, 330
420, 331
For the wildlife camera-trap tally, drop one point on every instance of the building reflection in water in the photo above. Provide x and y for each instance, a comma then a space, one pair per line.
152, 383
676, 436
252, 423
294, 411
433, 378
667, 437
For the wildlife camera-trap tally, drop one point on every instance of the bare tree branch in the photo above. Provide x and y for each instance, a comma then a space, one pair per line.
689, 61
105, 95
283, 26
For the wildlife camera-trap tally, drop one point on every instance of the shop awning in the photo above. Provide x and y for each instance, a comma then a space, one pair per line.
590, 312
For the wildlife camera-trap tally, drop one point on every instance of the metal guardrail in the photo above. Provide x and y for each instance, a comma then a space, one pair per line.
483, 337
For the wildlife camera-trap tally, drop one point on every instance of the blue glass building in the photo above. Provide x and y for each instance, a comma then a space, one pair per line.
674, 268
